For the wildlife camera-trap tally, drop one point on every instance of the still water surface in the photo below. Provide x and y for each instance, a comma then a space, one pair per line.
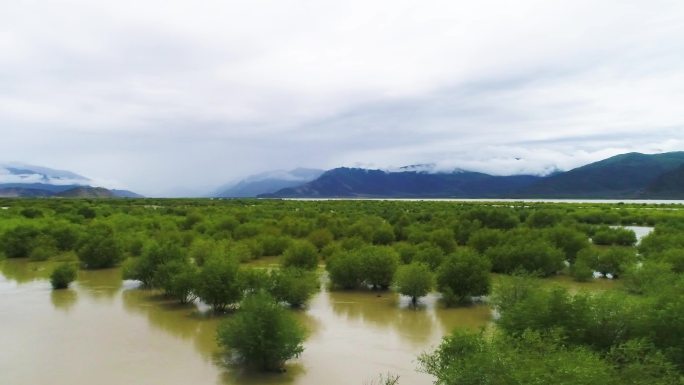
105, 331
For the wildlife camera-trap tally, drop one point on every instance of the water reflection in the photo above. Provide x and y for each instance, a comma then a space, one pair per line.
101, 284
22, 270
183, 321
63, 299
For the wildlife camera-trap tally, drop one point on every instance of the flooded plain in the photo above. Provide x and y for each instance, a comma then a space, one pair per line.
106, 331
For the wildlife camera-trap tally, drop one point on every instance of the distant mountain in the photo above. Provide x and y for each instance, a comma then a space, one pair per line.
669, 185
622, 176
22, 180
357, 182
626, 176
268, 182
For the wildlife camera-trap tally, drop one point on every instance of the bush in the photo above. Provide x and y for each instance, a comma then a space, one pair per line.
379, 265
346, 270
414, 280
178, 279
262, 334
144, 267
100, 249
614, 236
581, 271
301, 254
218, 284
63, 275
429, 254
526, 252
19, 241
292, 285
463, 275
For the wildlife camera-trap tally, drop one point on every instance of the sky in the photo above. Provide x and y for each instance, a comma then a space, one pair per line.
178, 97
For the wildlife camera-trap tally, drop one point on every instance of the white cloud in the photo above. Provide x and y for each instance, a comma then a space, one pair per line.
164, 95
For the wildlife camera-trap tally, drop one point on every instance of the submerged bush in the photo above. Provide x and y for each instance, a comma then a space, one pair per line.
63, 275
262, 334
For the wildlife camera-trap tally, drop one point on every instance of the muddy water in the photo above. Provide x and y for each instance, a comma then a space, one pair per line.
105, 331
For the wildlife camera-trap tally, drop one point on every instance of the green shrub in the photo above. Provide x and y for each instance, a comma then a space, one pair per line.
63, 275
262, 334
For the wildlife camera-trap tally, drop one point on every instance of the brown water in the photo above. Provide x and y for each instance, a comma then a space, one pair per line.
104, 331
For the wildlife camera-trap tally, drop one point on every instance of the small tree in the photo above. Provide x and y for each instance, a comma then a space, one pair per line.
462, 275
345, 269
100, 248
414, 280
302, 254
380, 264
218, 283
178, 279
292, 285
262, 334
62, 276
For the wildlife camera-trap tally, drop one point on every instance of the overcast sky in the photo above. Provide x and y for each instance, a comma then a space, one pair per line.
175, 97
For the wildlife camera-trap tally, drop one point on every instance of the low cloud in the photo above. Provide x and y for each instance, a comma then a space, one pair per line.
175, 98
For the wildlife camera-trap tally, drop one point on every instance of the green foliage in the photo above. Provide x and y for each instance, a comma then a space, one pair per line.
444, 238
63, 275
218, 283
262, 334
483, 239
19, 241
470, 358
379, 265
301, 254
463, 275
543, 218
614, 236
100, 248
581, 271
570, 241
648, 277
178, 278
526, 251
273, 245
292, 285
155, 255
414, 280
429, 254
346, 269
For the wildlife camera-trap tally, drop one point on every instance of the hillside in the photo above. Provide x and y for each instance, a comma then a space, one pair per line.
268, 182
356, 182
622, 176
669, 185
626, 176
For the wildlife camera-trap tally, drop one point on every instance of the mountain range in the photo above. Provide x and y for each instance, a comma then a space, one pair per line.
22, 180
626, 176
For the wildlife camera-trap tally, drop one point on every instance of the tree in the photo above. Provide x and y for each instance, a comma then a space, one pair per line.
144, 267
218, 284
321, 237
414, 280
262, 334
472, 358
379, 265
178, 279
346, 269
63, 275
100, 248
292, 285
19, 241
302, 254
462, 275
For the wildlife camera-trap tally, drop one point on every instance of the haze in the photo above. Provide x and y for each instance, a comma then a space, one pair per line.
173, 98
